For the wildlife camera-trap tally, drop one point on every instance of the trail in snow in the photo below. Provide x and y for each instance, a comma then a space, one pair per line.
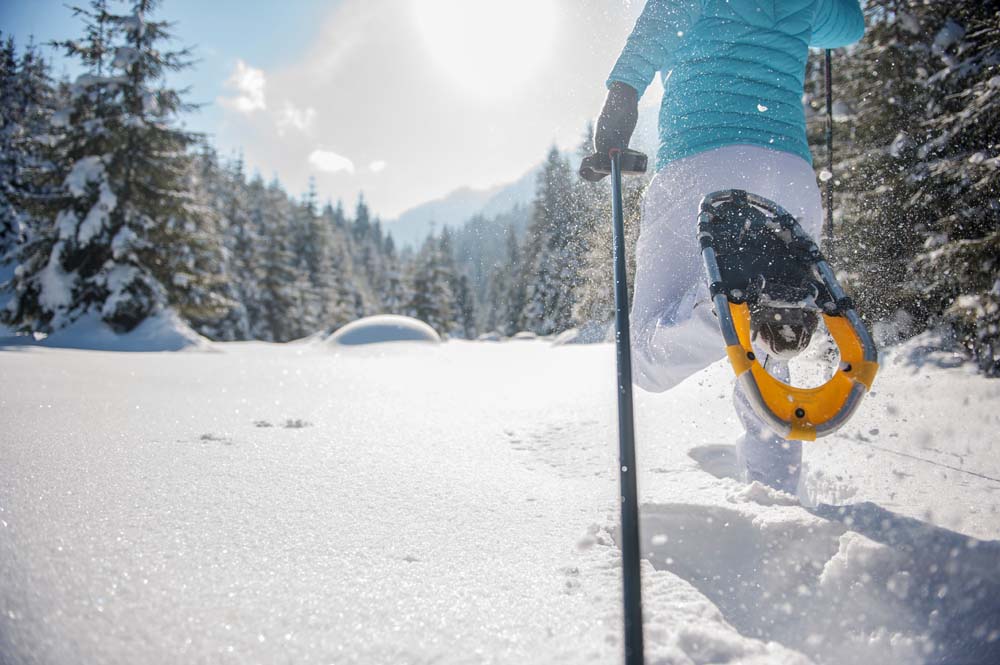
458, 503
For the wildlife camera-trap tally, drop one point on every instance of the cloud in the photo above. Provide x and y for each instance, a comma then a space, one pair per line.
330, 162
249, 83
377, 166
296, 118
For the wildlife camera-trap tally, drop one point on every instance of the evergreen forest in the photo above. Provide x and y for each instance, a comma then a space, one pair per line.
110, 209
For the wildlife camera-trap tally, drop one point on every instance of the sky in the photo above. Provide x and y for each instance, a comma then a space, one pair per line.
403, 100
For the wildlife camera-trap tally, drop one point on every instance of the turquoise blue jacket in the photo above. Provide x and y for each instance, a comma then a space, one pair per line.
732, 70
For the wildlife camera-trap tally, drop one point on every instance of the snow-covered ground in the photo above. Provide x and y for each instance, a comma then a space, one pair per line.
456, 503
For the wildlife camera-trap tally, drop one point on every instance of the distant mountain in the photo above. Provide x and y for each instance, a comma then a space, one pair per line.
457, 208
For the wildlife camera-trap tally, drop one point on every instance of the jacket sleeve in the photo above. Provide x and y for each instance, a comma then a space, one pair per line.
837, 23
659, 30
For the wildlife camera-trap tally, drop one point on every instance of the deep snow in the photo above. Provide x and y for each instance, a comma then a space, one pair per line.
456, 503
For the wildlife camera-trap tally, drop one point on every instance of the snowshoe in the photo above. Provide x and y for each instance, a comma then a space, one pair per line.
771, 286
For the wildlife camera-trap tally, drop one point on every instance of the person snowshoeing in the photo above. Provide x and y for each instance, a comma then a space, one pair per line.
731, 118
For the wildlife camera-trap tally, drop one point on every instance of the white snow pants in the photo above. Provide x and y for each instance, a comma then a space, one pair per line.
674, 331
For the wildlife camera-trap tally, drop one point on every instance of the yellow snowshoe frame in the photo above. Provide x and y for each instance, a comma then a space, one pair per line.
794, 413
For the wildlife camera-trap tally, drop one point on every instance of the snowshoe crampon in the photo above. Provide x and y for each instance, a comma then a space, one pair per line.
766, 273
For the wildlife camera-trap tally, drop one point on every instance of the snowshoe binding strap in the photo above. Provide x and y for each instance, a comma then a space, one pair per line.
747, 241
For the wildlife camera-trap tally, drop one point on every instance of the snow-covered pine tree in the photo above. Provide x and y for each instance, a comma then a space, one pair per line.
343, 297
881, 89
218, 192
432, 300
480, 250
365, 250
915, 145
362, 218
505, 298
594, 294
126, 238
42, 290
13, 103
271, 218
313, 251
27, 100
393, 291
591, 246
958, 177
465, 308
503, 272
463, 305
9, 226
552, 267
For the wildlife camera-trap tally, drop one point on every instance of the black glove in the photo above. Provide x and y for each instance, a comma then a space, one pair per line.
618, 117
614, 129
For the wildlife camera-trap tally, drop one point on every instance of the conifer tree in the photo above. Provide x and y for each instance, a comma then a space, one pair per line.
393, 294
124, 239
342, 294
594, 295
552, 266
9, 84
957, 177
505, 295
463, 304
916, 183
881, 88
227, 191
28, 100
432, 299
278, 279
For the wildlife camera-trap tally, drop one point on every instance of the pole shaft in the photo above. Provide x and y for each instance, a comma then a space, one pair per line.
828, 234
626, 432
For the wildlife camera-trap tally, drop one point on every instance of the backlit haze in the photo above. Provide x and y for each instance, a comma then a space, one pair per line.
405, 100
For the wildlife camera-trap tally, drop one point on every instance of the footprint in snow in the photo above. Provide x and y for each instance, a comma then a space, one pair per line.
858, 584
718, 460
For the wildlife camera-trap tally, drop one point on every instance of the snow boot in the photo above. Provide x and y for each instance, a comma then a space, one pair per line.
783, 317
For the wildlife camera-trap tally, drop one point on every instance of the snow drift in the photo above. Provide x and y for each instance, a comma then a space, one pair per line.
164, 331
384, 328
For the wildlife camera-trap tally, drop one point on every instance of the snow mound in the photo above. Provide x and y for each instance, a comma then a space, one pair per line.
164, 331
384, 328
759, 493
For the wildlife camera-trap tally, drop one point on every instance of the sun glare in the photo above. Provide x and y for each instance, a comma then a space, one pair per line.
489, 46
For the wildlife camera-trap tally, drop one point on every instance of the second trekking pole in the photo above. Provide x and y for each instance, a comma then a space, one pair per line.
626, 426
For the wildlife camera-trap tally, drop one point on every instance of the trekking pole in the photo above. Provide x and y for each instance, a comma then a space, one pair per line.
631, 575
616, 162
828, 234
